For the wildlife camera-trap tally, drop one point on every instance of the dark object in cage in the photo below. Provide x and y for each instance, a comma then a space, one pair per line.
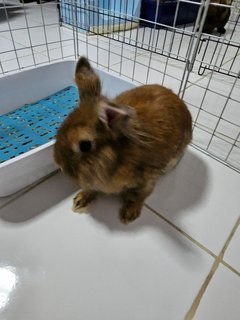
7, 11
187, 13
217, 17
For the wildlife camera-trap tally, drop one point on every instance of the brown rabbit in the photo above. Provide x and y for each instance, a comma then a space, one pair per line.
121, 146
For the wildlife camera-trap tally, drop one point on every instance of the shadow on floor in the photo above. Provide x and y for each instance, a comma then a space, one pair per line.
11, 11
39, 199
181, 189
176, 192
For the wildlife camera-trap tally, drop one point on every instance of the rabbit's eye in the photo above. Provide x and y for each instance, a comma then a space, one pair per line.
85, 146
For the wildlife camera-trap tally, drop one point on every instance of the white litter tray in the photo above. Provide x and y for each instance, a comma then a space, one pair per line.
23, 98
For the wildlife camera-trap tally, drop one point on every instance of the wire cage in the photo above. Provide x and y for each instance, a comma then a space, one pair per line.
171, 42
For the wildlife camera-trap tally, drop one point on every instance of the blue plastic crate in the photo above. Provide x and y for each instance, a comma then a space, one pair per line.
187, 12
35, 124
100, 15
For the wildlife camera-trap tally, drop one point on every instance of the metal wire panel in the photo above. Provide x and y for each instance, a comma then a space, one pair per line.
214, 97
31, 35
148, 41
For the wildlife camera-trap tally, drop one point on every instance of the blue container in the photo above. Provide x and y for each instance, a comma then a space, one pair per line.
100, 16
187, 12
35, 124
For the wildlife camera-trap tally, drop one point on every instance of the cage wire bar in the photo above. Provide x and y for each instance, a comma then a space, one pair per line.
155, 41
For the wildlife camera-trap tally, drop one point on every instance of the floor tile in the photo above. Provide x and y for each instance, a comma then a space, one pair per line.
55, 51
34, 33
234, 157
46, 12
34, 59
193, 197
221, 299
105, 53
207, 106
138, 69
219, 147
232, 254
159, 41
20, 52
232, 112
67, 265
198, 96
13, 15
15, 21
22, 37
24, 61
10, 65
135, 69
5, 200
7, 45
231, 66
117, 51
201, 137
212, 51
220, 83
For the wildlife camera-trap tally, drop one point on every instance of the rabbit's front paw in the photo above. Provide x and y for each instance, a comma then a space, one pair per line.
82, 200
130, 212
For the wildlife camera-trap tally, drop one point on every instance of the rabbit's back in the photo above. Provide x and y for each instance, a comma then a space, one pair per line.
156, 103
162, 116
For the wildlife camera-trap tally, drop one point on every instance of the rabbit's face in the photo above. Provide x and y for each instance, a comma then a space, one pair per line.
81, 131
94, 129
78, 138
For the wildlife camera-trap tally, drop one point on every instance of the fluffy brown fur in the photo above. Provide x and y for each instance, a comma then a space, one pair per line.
134, 138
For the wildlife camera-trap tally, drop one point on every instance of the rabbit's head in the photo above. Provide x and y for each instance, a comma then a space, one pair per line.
94, 129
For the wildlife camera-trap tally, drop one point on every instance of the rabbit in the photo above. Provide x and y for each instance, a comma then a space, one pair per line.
217, 17
121, 146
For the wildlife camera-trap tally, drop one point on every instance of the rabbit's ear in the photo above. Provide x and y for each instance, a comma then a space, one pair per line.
87, 80
116, 117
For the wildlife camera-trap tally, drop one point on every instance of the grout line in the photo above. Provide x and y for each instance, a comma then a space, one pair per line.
25, 55
230, 236
230, 267
182, 232
208, 73
124, 60
190, 314
192, 311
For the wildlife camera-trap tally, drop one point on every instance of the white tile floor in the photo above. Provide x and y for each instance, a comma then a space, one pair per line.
223, 290
60, 265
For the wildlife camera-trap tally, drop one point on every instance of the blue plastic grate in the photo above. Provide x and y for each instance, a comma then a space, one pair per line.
35, 124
